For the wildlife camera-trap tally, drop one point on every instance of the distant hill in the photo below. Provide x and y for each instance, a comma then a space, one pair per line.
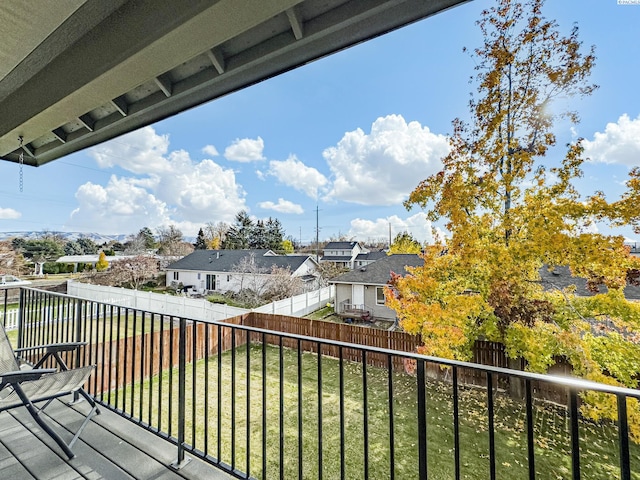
98, 238
69, 236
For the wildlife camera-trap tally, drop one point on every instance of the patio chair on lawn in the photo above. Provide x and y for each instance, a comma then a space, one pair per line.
23, 384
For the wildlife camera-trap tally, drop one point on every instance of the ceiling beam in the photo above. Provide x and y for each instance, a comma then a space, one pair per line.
60, 134
121, 105
88, 121
217, 59
164, 83
296, 22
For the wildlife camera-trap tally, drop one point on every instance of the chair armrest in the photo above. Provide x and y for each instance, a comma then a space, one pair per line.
24, 375
53, 347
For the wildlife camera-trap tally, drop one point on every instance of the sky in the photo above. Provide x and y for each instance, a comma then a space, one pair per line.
350, 135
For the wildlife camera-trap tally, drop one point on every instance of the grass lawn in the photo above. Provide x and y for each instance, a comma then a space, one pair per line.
598, 442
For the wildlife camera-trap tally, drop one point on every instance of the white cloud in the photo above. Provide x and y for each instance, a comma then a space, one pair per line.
293, 173
182, 192
620, 143
417, 225
245, 150
210, 150
138, 152
384, 166
120, 206
9, 214
283, 206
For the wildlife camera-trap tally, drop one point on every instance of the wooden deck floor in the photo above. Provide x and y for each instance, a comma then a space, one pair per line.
110, 447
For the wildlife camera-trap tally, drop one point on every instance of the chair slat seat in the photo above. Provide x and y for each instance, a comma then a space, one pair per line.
19, 387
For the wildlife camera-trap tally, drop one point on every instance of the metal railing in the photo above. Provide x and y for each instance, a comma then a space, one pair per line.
265, 404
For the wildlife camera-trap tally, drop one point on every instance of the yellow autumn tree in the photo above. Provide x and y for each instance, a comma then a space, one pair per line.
404, 242
102, 263
510, 211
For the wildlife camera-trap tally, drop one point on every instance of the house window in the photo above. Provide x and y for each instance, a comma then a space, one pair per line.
198, 276
175, 275
228, 278
379, 295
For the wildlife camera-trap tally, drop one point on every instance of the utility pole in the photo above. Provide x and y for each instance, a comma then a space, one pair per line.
317, 236
389, 234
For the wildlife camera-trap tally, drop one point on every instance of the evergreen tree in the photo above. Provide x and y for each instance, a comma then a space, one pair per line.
237, 238
88, 246
274, 234
201, 241
72, 248
258, 237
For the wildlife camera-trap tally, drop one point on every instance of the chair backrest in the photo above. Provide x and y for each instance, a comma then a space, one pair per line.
8, 362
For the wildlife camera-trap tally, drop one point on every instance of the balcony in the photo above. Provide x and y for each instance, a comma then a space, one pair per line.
247, 402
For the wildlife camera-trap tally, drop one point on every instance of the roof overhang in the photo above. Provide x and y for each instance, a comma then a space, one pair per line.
74, 73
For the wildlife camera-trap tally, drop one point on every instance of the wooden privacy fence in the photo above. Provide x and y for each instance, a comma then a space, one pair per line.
136, 358
484, 352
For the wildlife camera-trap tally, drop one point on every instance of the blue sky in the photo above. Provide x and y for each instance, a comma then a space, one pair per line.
352, 134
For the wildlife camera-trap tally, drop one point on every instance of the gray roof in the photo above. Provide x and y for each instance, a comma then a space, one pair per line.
333, 258
561, 278
340, 245
371, 255
228, 260
379, 272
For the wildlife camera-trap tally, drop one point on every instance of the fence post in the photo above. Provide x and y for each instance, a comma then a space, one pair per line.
4, 316
21, 318
181, 461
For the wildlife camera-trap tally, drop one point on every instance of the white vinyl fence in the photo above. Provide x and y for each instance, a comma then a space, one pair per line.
52, 313
195, 308
10, 319
300, 305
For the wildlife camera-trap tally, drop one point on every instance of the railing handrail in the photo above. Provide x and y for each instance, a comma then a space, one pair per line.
557, 379
576, 383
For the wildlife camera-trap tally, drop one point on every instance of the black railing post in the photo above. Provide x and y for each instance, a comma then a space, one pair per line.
422, 422
530, 427
623, 438
181, 461
575, 434
78, 333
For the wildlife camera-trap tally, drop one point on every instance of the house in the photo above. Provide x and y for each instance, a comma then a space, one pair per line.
364, 259
343, 254
362, 290
233, 270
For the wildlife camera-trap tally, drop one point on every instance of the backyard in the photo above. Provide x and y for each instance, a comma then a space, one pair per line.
552, 441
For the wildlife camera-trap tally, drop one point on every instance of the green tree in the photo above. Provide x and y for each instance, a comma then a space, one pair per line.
149, 240
88, 246
404, 242
509, 214
201, 241
258, 236
72, 248
274, 233
238, 235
